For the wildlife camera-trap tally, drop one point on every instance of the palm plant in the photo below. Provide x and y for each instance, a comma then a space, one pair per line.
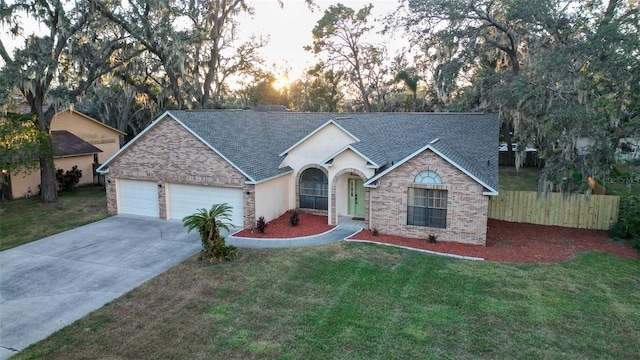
209, 222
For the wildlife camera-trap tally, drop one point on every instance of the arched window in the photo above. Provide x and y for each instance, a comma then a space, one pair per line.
428, 177
314, 190
427, 207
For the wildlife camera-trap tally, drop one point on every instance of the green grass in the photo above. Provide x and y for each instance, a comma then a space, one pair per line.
26, 220
524, 179
361, 301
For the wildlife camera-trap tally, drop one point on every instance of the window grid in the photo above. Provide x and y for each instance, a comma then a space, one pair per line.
427, 207
428, 177
314, 190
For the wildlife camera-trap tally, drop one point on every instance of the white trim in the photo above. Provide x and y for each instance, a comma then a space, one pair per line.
269, 179
251, 180
370, 163
103, 170
429, 147
317, 130
157, 121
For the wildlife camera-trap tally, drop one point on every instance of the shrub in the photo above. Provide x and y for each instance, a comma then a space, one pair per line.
209, 223
628, 225
68, 180
374, 232
294, 219
432, 239
261, 224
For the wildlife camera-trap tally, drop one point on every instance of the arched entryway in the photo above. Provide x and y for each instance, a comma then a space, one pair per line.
349, 197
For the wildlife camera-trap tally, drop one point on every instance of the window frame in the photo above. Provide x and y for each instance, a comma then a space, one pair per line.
427, 206
313, 194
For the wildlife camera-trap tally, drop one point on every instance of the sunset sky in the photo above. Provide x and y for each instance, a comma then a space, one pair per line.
289, 28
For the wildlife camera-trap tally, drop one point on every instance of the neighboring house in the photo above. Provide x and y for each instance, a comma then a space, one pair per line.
78, 140
409, 174
628, 148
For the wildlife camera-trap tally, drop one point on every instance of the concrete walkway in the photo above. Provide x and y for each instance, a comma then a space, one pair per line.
336, 234
50, 283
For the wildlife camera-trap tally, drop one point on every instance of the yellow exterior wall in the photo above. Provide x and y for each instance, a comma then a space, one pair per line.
90, 130
25, 179
272, 197
84, 163
21, 182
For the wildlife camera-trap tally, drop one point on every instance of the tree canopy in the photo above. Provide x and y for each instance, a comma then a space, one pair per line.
562, 74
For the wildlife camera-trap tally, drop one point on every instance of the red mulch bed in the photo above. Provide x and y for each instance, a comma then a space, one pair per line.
506, 241
279, 228
520, 242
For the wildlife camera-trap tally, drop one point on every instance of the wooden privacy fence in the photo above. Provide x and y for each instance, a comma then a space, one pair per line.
573, 210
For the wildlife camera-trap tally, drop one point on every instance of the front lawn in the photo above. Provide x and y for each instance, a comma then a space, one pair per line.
362, 301
26, 220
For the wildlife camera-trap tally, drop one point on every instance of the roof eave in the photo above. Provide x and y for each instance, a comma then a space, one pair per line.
370, 163
270, 178
447, 159
251, 179
126, 146
355, 139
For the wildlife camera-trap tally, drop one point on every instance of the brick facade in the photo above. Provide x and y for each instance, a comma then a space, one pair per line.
467, 207
168, 153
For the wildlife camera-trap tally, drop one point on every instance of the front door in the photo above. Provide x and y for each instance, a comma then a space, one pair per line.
356, 197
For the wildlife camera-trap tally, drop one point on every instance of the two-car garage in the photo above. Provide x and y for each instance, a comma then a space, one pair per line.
138, 197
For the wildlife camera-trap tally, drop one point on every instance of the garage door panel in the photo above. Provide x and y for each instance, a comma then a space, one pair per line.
138, 197
187, 199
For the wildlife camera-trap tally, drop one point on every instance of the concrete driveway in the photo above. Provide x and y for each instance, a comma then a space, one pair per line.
48, 284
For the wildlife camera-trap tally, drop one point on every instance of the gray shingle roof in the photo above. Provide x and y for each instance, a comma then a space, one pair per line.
252, 140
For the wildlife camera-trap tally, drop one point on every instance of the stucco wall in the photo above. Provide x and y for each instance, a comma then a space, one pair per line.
272, 197
169, 153
84, 163
466, 211
356, 166
92, 131
25, 179
21, 182
318, 147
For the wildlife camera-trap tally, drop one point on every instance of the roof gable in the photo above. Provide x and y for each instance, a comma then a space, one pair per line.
316, 131
254, 142
72, 111
490, 190
370, 163
166, 117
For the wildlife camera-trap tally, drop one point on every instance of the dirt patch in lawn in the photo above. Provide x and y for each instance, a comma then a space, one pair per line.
308, 225
520, 242
506, 241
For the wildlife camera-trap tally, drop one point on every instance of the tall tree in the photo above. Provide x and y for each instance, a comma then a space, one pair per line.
556, 70
191, 48
339, 34
54, 68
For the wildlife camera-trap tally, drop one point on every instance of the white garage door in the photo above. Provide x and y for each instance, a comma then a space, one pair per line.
138, 197
187, 199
